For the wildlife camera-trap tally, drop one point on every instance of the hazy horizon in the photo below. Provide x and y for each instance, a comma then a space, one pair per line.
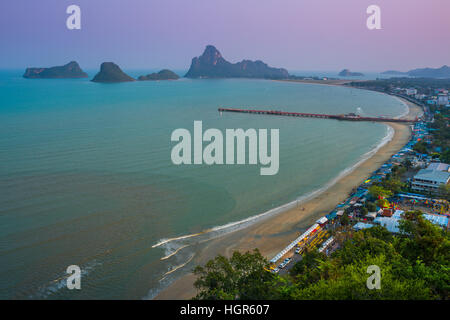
299, 35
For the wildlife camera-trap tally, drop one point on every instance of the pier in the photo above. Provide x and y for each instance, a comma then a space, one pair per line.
343, 117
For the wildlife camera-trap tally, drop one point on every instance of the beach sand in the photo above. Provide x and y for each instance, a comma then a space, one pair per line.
273, 234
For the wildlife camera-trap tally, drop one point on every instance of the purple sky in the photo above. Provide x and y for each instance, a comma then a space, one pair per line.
295, 34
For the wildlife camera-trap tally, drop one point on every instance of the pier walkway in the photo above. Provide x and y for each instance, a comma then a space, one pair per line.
344, 117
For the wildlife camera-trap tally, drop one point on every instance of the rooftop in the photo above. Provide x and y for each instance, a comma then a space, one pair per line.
433, 175
439, 166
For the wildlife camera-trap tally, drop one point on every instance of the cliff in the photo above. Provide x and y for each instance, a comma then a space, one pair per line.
211, 64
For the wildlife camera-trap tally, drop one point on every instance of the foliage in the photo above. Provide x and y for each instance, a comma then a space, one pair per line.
420, 147
414, 264
377, 192
371, 206
243, 276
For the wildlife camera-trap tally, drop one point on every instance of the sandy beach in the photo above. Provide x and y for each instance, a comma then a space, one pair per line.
273, 234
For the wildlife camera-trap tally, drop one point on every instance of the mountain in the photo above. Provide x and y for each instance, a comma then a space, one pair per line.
164, 74
110, 72
348, 73
394, 72
442, 72
70, 70
211, 64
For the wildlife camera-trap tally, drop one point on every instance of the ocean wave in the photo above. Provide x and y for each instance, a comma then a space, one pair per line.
217, 231
214, 232
237, 225
61, 282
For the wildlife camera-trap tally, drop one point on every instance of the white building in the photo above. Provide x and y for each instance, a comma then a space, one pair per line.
442, 99
410, 91
429, 179
420, 96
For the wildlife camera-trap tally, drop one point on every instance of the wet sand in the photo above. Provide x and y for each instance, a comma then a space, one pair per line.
273, 234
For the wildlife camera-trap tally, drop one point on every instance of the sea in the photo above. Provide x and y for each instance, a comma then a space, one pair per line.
86, 176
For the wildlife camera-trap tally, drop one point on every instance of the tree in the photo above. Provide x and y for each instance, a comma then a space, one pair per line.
243, 276
407, 164
414, 264
394, 185
444, 191
371, 206
379, 192
420, 147
345, 220
364, 211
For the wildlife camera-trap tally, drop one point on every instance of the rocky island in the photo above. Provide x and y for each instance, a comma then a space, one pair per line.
70, 70
211, 64
442, 72
348, 73
164, 74
111, 73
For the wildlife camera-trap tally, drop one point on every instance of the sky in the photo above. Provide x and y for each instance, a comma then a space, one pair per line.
295, 34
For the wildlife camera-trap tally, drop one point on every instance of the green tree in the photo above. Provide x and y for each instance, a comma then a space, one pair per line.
394, 185
414, 264
371, 206
345, 220
420, 147
243, 276
378, 191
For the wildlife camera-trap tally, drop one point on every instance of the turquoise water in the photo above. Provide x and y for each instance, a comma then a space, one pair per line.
86, 176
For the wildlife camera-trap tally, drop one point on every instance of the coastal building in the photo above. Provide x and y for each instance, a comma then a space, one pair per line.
410, 91
392, 223
362, 225
439, 166
442, 99
420, 96
429, 179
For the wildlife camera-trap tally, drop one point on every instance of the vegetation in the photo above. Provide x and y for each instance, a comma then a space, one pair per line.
414, 265
420, 147
241, 277
371, 207
378, 192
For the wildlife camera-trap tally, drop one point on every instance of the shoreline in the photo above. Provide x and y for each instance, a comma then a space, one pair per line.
272, 234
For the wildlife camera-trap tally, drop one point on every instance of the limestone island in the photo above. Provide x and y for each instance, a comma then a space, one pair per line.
348, 73
211, 64
70, 70
111, 73
164, 74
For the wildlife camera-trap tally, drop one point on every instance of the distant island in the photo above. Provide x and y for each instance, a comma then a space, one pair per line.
211, 64
442, 72
111, 73
348, 73
394, 72
70, 70
164, 74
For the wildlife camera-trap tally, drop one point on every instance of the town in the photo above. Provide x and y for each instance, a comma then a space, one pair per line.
415, 178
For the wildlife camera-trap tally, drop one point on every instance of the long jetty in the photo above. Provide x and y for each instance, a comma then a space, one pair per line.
344, 117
